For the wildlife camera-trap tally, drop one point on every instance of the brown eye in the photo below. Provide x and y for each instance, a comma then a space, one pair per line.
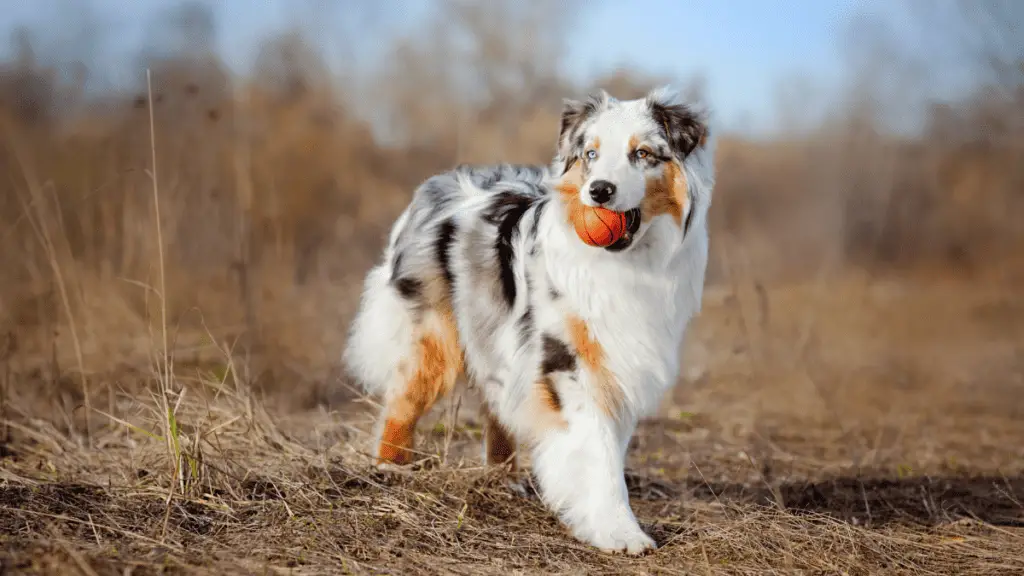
641, 154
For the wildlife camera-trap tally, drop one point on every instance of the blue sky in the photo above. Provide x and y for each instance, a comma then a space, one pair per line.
744, 48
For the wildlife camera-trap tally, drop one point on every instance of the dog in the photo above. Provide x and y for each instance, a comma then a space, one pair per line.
570, 345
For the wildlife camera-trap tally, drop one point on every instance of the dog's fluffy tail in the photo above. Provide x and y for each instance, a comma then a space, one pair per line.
382, 332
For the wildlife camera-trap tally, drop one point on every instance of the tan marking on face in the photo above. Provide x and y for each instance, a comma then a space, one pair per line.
438, 362
665, 194
596, 144
634, 143
500, 447
607, 392
569, 191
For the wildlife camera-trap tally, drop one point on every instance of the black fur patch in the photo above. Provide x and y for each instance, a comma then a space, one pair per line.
409, 288
682, 127
442, 248
557, 357
538, 211
506, 212
574, 114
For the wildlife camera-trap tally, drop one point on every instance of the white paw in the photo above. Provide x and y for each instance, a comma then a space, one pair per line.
618, 537
392, 468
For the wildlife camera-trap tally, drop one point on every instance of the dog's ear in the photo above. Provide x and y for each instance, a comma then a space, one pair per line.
684, 128
575, 113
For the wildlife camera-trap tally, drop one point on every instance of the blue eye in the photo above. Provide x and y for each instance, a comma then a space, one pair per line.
641, 154
591, 154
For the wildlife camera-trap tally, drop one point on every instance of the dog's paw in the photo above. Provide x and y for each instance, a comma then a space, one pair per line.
633, 544
386, 467
621, 538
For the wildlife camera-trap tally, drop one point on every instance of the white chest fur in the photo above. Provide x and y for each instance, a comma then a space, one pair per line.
636, 304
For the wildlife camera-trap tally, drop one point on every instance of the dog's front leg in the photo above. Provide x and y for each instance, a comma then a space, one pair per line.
581, 474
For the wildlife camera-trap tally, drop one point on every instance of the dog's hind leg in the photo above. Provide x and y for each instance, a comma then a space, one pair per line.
407, 353
426, 375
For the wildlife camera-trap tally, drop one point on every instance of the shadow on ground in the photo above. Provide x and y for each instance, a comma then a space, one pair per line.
869, 502
866, 501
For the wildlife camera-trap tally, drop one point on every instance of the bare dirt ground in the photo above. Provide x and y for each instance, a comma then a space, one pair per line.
853, 427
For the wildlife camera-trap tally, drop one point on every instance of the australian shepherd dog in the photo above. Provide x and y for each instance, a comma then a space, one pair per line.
569, 344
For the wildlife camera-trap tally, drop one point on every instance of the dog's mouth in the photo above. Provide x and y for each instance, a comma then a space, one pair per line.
632, 225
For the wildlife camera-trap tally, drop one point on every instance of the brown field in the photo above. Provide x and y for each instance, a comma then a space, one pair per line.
178, 266
849, 450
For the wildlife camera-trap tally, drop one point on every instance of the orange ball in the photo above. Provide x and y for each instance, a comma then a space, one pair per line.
598, 226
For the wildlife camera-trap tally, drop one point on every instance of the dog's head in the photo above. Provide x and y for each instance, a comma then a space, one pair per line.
628, 156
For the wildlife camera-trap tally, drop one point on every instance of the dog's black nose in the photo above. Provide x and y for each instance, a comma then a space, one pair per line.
602, 191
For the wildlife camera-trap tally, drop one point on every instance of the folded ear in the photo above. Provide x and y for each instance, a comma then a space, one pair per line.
575, 114
684, 128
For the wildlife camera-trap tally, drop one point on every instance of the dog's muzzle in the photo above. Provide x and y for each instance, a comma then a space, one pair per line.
632, 225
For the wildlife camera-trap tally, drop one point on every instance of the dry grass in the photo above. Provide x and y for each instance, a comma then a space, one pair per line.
899, 465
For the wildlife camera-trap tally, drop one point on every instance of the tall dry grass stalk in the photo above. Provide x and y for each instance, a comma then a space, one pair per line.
164, 366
